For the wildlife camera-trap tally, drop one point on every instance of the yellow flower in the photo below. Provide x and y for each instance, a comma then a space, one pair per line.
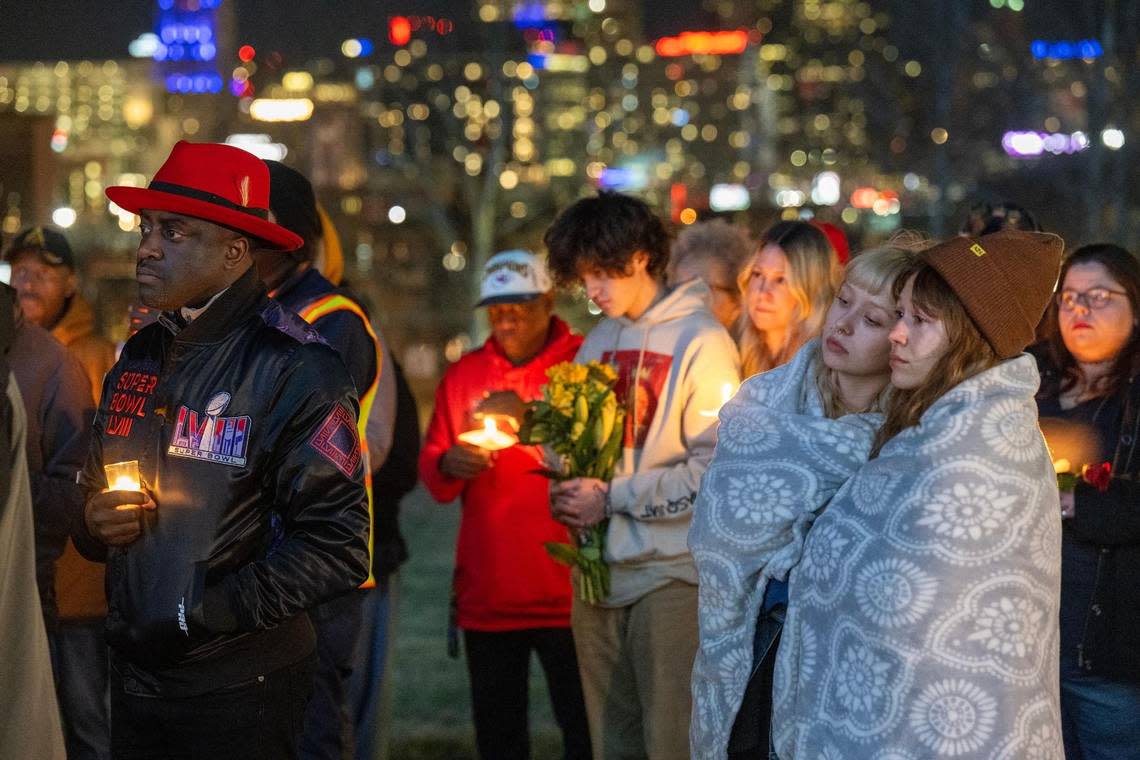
562, 399
567, 373
606, 371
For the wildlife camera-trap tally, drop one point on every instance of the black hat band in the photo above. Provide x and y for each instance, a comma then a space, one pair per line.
202, 195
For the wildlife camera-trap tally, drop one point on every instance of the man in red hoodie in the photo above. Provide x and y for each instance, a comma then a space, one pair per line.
511, 597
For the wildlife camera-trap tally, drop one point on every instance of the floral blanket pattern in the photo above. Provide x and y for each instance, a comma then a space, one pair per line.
778, 460
923, 617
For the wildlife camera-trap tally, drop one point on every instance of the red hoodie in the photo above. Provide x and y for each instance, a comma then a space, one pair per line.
504, 579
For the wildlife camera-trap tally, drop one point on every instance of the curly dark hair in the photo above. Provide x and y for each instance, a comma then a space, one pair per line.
604, 232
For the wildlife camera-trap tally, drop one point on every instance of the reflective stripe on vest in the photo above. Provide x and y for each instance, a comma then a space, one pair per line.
312, 312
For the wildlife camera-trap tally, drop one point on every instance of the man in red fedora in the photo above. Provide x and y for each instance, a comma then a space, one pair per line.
250, 506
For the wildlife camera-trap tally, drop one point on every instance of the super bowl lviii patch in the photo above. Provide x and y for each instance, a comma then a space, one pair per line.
209, 436
337, 441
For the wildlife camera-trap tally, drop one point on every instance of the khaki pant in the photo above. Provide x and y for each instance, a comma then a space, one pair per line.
636, 664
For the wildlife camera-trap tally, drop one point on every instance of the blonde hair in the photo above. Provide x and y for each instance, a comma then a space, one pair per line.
814, 274
874, 270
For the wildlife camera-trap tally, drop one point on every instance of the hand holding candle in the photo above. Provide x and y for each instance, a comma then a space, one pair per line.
113, 516
489, 437
123, 476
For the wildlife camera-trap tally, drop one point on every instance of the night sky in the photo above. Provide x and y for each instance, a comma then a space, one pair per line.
302, 29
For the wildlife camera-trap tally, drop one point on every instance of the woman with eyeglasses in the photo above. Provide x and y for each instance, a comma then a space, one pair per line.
786, 288
1089, 405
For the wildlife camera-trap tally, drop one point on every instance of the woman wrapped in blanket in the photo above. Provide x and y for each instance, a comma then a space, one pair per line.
787, 441
923, 615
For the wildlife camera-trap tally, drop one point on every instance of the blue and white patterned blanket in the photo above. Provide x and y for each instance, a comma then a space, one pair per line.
778, 460
923, 617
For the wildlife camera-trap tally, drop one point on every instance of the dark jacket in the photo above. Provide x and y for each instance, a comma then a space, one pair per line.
244, 427
346, 333
1110, 645
58, 405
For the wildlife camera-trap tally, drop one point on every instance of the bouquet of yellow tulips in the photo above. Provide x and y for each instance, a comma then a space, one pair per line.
578, 418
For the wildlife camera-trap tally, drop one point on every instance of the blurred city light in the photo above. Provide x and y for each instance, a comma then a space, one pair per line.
1028, 144
1112, 138
144, 46
297, 81
399, 30
397, 215
281, 109
1065, 50
260, 145
63, 217
623, 179
352, 48
729, 197
703, 43
825, 189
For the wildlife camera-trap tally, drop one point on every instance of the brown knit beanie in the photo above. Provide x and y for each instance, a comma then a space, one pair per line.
1004, 280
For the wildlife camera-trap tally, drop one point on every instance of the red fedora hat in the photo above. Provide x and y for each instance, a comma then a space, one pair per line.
218, 183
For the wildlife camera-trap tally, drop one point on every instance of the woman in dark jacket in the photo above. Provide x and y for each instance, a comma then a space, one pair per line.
1090, 412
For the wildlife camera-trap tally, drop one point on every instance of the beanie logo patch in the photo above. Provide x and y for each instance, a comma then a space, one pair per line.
978, 250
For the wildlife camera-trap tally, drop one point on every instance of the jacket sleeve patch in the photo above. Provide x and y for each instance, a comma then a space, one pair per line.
337, 441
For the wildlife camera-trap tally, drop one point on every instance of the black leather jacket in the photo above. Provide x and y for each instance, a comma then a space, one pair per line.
1110, 645
244, 427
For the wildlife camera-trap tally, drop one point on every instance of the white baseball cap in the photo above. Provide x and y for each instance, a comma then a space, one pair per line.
513, 277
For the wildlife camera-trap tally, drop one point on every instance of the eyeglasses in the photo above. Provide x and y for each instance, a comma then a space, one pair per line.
1097, 298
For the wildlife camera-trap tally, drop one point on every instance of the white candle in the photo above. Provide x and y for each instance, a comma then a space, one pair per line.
489, 437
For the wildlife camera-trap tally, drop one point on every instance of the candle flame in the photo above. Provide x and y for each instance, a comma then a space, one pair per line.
726, 393
125, 483
490, 437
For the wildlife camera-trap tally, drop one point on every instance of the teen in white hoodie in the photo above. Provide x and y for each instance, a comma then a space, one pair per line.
674, 361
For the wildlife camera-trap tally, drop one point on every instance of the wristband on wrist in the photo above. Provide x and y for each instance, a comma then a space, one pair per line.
607, 505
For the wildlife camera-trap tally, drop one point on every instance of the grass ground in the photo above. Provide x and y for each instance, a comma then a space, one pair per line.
431, 706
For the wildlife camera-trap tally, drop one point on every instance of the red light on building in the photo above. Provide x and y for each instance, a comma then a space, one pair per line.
246, 53
864, 197
678, 200
703, 43
399, 30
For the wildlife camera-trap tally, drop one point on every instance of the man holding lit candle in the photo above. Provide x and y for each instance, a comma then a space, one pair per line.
511, 598
252, 506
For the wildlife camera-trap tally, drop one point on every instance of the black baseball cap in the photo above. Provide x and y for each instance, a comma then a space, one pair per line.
50, 244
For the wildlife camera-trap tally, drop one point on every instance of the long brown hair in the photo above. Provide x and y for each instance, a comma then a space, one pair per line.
1123, 267
968, 354
813, 273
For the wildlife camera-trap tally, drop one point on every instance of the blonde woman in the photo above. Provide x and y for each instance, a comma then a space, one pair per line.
786, 289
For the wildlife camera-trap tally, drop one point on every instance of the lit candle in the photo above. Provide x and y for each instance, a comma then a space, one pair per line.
123, 476
726, 392
489, 437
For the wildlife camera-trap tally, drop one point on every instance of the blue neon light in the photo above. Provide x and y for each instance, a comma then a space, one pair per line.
1066, 50
536, 60
197, 83
186, 29
530, 15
